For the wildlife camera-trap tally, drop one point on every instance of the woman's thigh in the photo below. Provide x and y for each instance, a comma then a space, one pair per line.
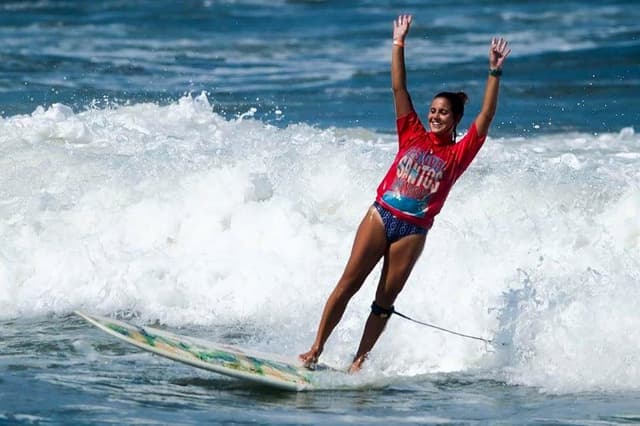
369, 245
399, 261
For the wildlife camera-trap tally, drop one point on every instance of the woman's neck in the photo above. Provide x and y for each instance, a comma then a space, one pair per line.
442, 138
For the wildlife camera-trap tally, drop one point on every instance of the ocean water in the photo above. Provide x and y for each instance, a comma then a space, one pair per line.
202, 166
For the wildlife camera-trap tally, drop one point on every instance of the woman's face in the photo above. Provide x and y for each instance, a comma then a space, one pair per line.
440, 117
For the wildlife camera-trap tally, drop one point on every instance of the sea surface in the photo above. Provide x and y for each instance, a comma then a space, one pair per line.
202, 166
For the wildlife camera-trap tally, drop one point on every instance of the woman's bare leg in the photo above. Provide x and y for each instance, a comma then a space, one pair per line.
398, 264
368, 247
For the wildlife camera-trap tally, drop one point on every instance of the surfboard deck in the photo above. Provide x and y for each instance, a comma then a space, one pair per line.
265, 369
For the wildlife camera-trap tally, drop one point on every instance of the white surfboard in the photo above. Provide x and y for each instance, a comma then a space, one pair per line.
266, 369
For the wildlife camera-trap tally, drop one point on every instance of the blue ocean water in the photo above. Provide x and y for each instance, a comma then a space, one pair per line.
203, 165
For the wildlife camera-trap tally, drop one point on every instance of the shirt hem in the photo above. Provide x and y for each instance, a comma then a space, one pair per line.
421, 222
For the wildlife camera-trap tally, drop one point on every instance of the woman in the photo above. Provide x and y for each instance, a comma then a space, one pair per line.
410, 195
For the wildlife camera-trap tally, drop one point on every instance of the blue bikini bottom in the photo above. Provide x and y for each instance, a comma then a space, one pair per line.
396, 228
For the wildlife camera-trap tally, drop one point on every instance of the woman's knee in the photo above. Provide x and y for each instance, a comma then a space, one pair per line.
348, 286
386, 298
390, 286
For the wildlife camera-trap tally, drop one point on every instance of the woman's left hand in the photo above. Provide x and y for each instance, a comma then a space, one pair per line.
498, 52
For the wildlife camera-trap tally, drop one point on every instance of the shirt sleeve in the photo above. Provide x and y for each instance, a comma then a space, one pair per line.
409, 129
468, 147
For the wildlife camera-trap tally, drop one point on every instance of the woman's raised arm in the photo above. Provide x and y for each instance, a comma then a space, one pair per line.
498, 52
401, 96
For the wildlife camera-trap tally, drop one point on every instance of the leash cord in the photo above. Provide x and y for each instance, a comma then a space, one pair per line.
468, 336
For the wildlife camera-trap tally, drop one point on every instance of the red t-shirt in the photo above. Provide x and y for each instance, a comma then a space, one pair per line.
424, 170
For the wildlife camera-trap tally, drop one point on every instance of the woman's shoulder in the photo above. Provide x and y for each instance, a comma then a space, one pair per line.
410, 123
471, 134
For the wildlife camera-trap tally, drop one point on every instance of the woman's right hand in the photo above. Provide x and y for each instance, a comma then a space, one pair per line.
401, 27
498, 52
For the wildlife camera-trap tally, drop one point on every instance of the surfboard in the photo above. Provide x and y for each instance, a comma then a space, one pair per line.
265, 369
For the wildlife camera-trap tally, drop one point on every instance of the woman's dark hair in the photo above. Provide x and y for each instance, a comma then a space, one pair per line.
457, 101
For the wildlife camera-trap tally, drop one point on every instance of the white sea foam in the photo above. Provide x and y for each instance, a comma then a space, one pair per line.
187, 217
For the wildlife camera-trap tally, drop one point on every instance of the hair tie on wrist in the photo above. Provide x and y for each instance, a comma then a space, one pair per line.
495, 72
397, 42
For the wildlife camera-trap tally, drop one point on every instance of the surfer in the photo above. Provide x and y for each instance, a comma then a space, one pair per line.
410, 195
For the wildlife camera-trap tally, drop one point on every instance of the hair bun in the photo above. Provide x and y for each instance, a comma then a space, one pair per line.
463, 97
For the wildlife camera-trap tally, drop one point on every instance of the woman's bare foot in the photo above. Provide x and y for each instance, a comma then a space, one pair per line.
356, 365
310, 359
